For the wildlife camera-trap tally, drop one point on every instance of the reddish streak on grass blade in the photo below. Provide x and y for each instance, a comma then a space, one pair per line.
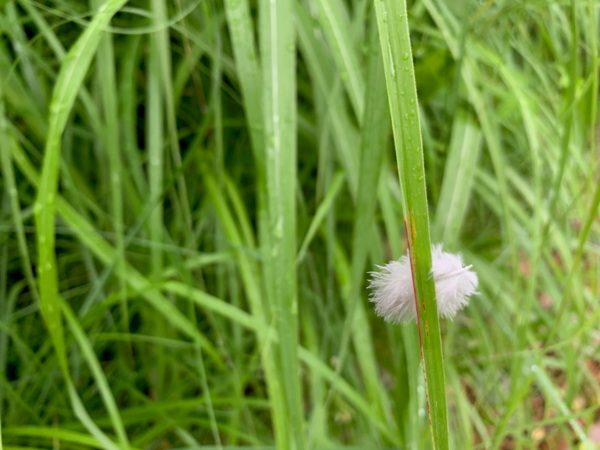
412, 272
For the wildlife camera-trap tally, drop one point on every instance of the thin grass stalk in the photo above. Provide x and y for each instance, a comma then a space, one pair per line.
457, 184
22, 53
15, 208
161, 44
374, 133
335, 21
205, 389
593, 90
394, 34
154, 147
155, 143
128, 113
241, 29
190, 59
325, 206
98, 374
570, 106
108, 86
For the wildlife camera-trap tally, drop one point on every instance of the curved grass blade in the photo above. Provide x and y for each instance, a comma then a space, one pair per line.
72, 73
71, 76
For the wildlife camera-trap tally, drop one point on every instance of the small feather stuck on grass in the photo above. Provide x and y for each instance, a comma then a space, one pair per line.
393, 292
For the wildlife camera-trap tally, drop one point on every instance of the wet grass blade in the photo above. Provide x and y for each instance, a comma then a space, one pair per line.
277, 45
402, 95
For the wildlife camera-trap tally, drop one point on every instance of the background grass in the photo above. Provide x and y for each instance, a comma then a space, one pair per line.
193, 191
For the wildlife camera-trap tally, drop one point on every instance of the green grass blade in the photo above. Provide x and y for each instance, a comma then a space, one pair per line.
161, 45
107, 75
94, 364
335, 21
397, 57
11, 187
155, 146
324, 77
322, 210
55, 433
374, 137
277, 45
128, 113
72, 73
458, 180
242, 34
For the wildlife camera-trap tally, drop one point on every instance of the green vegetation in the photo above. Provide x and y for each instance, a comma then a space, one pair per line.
194, 191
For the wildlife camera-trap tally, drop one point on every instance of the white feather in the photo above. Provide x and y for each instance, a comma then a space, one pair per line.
393, 292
